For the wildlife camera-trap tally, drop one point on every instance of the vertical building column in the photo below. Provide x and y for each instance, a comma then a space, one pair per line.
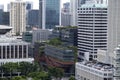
60, 14
22, 51
14, 51
5, 51
10, 51
18, 51
1, 52
26, 51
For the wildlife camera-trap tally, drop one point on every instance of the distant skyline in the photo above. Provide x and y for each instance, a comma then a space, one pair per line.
35, 3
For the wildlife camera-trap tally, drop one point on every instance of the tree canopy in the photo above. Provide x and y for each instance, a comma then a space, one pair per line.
55, 42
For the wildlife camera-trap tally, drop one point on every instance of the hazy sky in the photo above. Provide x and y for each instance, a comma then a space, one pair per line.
35, 2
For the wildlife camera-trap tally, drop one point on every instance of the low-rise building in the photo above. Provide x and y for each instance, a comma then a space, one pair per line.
87, 70
27, 36
40, 35
13, 50
62, 57
60, 53
116, 63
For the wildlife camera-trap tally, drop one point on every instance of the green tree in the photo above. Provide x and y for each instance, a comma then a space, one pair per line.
36, 67
39, 75
10, 68
41, 50
18, 78
57, 73
25, 68
72, 78
55, 42
3, 78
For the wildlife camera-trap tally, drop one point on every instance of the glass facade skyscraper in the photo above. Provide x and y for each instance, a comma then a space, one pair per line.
52, 13
49, 12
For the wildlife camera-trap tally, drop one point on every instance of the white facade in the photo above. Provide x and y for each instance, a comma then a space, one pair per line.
65, 15
65, 19
93, 71
92, 29
18, 17
113, 25
116, 63
73, 11
13, 50
42, 13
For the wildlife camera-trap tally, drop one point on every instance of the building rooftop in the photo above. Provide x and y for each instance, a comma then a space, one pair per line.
18, 1
89, 5
97, 65
10, 39
4, 29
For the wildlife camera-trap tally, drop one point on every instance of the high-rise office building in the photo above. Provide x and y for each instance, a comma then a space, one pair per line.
8, 7
65, 14
113, 25
18, 17
42, 14
2, 7
113, 31
66, 7
92, 29
32, 18
5, 18
29, 5
1, 13
49, 13
108, 56
74, 4
73, 10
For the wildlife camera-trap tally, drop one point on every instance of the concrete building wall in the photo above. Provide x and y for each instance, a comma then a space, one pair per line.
13, 51
65, 19
113, 25
18, 17
40, 35
73, 12
92, 72
92, 29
